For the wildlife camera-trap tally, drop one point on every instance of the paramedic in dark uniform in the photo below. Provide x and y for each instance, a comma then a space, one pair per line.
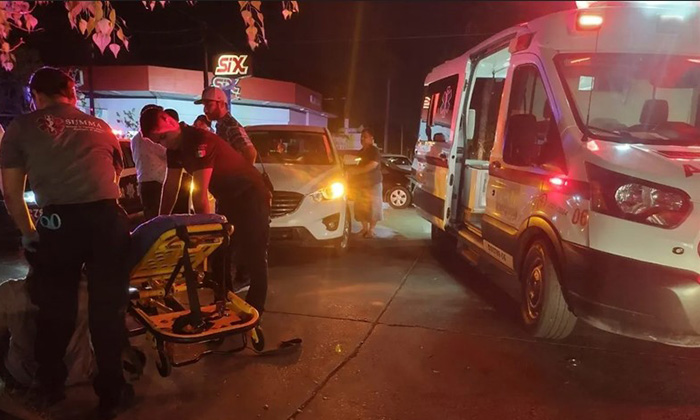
237, 186
73, 162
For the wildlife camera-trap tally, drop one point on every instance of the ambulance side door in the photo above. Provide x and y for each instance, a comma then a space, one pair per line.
515, 176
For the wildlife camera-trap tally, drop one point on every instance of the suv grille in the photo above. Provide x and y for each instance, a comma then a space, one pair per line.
285, 202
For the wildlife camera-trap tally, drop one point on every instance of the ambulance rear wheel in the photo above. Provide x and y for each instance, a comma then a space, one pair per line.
544, 310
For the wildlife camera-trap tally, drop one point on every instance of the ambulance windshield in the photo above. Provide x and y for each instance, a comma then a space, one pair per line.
635, 98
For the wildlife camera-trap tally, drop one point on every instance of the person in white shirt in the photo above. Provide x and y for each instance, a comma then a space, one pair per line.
149, 158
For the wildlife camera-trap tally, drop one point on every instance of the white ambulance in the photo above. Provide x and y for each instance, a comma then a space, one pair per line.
566, 151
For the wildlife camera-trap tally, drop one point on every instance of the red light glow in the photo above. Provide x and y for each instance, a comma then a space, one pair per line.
694, 60
592, 146
586, 21
559, 182
579, 60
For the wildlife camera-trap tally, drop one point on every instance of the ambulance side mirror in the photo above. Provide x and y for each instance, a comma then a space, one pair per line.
471, 122
521, 144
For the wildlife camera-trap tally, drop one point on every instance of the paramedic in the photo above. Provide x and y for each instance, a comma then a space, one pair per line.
73, 162
238, 188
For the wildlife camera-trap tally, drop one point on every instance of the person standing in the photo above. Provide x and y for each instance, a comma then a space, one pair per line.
150, 161
149, 158
239, 189
228, 128
368, 180
73, 162
202, 122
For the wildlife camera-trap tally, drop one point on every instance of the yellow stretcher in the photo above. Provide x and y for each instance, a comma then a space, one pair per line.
169, 258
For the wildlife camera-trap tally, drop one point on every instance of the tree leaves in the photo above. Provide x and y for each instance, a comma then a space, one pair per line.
98, 21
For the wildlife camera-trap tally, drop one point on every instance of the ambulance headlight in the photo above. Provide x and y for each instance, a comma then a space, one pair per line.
29, 197
636, 199
331, 192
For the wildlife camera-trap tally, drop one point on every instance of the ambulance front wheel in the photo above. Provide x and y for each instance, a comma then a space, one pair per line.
544, 310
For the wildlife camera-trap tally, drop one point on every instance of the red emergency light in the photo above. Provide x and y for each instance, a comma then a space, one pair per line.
588, 22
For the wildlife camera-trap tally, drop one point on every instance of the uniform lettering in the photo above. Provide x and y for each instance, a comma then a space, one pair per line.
690, 170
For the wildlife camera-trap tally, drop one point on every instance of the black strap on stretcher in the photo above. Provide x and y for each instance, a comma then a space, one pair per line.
191, 323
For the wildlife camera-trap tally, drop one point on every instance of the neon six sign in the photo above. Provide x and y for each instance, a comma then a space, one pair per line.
233, 65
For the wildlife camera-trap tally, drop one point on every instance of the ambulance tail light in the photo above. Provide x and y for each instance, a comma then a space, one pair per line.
589, 22
637, 200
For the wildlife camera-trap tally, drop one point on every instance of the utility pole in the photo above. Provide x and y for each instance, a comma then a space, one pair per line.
90, 76
206, 55
386, 116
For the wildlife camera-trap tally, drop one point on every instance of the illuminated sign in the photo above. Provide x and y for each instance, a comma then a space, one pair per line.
233, 65
228, 85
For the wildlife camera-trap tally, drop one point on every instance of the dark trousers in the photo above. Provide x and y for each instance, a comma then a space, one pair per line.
151, 191
95, 235
250, 217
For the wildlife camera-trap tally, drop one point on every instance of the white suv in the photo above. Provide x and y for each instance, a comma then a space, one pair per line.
309, 204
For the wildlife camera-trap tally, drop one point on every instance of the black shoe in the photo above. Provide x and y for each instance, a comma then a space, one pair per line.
111, 407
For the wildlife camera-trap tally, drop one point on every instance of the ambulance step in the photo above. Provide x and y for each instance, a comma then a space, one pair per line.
470, 255
472, 235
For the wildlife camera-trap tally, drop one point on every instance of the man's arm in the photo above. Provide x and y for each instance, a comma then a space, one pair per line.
200, 200
13, 180
171, 188
356, 170
250, 153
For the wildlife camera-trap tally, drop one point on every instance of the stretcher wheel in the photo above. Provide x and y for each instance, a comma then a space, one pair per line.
165, 368
257, 339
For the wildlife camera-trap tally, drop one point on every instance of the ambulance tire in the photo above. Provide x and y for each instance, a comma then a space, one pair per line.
543, 308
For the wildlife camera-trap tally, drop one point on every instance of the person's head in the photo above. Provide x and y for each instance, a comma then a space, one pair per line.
439, 137
173, 114
367, 137
49, 86
161, 128
215, 103
202, 122
146, 119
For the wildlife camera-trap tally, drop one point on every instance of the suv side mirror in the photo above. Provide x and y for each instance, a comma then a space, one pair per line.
521, 144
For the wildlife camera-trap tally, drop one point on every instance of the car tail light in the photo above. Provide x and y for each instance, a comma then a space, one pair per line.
637, 200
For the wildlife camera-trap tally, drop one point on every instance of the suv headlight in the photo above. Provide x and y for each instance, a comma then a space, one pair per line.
331, 192
636, 199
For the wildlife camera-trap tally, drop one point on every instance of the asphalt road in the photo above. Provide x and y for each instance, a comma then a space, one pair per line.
391, 331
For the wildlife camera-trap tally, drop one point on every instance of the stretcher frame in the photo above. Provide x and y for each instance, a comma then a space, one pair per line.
178, 262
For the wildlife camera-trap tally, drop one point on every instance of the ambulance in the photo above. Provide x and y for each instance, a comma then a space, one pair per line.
566, 152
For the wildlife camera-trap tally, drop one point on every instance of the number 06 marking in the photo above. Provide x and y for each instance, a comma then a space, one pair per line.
580, 217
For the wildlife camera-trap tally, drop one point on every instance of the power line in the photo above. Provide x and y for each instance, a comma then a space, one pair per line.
394, 38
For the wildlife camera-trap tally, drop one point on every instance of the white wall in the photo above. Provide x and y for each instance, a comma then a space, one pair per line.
107, 109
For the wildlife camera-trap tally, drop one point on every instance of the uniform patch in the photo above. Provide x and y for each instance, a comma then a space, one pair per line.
51, 124
201, 150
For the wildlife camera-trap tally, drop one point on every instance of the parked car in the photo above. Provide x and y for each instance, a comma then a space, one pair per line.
396, 179
309, 204
399, 161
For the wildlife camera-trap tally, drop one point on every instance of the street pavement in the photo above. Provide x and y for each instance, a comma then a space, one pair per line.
392, 331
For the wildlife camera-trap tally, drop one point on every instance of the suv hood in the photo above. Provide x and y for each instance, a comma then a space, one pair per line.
303, 179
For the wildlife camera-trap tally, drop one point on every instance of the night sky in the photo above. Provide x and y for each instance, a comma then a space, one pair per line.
399, 40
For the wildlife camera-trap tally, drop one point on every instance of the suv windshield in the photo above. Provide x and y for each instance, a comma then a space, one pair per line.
635, 98
292, 147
